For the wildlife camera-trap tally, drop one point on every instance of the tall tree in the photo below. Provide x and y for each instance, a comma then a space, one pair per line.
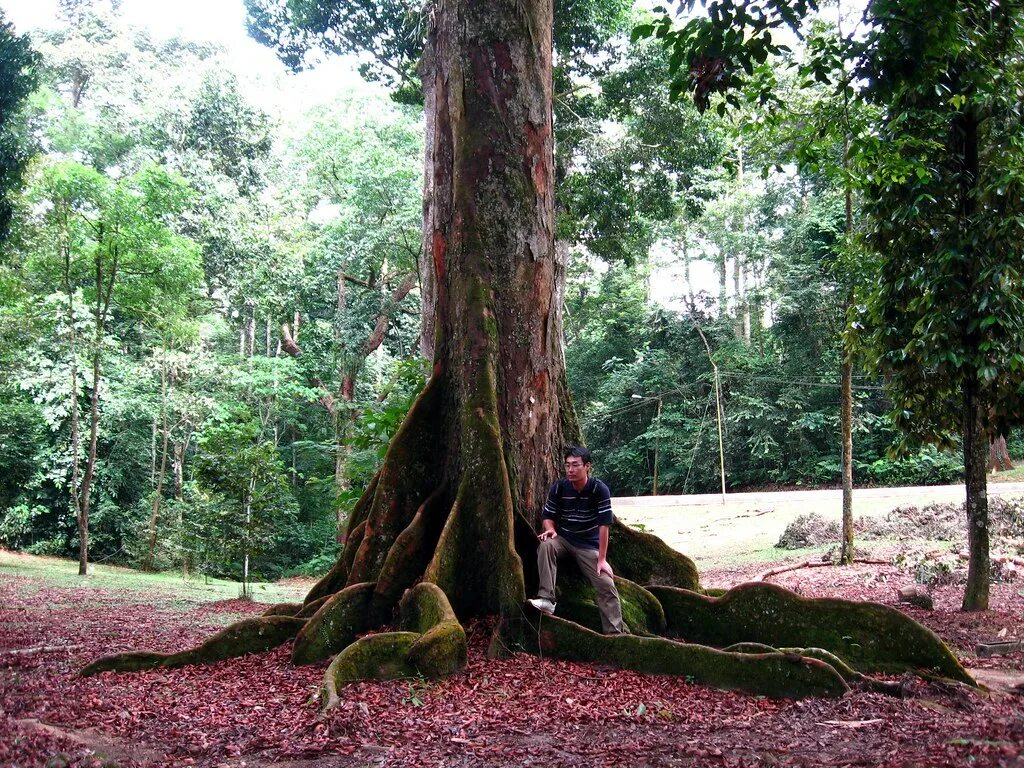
946, 185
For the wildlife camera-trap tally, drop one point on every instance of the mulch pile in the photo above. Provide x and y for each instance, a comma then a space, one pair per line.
259, 710
933, 522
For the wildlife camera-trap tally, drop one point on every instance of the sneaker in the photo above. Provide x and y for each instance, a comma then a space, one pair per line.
542, 604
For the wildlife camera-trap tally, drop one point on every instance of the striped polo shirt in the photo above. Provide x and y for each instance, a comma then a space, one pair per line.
578, 514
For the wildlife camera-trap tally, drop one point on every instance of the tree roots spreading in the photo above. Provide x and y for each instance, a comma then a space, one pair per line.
246, 636
867, 636
436, 539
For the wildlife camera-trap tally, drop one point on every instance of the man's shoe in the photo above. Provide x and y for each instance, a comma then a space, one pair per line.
542, 604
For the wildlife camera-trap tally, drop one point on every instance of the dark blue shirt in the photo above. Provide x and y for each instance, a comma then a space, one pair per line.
579, 514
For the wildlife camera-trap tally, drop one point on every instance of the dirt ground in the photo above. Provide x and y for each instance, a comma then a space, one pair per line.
261, 711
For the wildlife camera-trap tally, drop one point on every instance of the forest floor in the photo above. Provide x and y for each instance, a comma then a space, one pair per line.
260, 711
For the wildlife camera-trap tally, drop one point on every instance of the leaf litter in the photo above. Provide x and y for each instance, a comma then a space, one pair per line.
259, 710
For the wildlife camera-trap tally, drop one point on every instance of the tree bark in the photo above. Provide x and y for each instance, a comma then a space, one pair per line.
998, 455
975, 440
158, 490
846, 426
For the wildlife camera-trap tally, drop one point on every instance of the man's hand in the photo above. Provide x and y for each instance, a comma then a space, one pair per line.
548, 534
603, 567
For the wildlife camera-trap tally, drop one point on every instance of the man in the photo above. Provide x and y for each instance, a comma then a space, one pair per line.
577, 517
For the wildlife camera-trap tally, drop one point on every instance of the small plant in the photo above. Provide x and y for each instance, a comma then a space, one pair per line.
418, 690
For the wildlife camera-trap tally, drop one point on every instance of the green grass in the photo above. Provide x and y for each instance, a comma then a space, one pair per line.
183, 593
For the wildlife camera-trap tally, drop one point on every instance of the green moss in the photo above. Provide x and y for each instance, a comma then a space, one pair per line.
777, 675
424, 607
335, 625
246, 636
311, 608
283, 609
374, 657
646, 559
867, 636
408, 558
440, 651
125, 662
577, 601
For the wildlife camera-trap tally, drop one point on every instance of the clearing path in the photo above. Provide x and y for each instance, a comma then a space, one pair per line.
711, 532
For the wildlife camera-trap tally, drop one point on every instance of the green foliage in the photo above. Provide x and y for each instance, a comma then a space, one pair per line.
18, 75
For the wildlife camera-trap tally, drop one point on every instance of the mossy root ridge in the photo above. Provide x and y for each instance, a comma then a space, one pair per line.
645, 559
374, 657
869, 637
338, 621
854, 678
577, 601
246, 636
283, 609
776, 675
431, 643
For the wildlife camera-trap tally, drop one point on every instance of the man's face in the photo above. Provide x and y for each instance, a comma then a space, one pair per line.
575, 470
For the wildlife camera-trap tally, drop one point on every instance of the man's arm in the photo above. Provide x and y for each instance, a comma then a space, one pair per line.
602, 551
549, 531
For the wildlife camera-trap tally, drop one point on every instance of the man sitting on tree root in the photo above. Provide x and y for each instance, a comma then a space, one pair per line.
577, 517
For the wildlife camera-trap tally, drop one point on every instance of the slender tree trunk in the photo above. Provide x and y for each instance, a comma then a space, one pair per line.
846, 427
179, 469
154, 517
975, 440
76, 497
846, 389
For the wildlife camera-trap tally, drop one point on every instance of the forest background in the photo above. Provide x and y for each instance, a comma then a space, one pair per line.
210, 323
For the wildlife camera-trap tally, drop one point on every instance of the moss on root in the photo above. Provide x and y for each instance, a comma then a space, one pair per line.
283, 609
577, 601
124, 662
868, 636
374, 657
777, 675
246, 636
423, 607
646, 559
336, 624
432, 643
311, 608
408, 557
439, 651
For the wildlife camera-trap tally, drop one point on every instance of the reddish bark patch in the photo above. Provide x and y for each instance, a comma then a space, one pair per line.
537, 155
440, 245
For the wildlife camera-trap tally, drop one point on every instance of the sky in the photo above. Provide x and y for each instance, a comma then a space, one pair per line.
221, 22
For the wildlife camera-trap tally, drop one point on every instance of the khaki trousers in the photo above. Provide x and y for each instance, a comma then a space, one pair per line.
551, 550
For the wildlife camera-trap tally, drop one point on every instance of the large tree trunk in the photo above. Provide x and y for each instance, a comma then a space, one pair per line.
975, 460
448, 521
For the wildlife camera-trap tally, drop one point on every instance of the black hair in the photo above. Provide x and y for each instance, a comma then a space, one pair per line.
581, 453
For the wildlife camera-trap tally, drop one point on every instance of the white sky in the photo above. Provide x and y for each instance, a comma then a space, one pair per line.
221, 22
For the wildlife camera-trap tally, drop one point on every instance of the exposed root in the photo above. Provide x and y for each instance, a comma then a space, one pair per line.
336, 624
646, 559
867, 636
283, 609
246, 636
432, 643
409, 556
777, 675
374, 657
